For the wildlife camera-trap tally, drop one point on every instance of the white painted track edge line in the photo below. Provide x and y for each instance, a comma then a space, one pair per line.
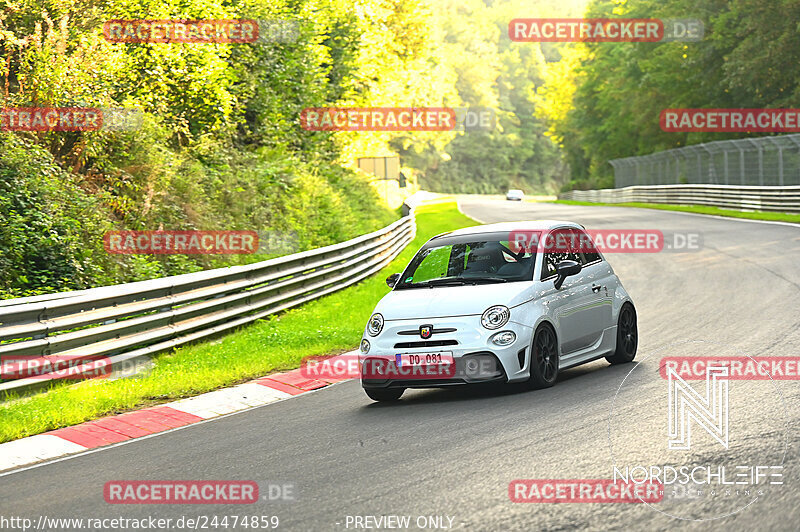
458, 206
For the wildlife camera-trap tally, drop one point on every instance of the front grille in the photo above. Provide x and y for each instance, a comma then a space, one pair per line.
425, 343
415, 332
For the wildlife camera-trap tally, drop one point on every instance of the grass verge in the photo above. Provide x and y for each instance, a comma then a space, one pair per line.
699, 209
328, 325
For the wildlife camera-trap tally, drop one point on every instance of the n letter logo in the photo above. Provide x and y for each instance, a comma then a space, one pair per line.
710, 412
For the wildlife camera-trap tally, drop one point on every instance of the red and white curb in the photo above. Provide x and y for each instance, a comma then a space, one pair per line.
132, 425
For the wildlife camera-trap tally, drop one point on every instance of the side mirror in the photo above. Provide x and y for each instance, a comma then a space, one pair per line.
392, 279
565, 269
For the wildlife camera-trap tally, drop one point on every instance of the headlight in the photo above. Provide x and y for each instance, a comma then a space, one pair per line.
495, 317
375, 325
365, 346
504, 338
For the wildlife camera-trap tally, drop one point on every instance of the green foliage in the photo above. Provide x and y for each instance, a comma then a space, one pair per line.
220, 146
746, 60
46, 222
493, 72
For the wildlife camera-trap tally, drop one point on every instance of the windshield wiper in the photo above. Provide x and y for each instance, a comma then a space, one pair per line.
444, 282
457, 281
487, 280
460, 281
434, 282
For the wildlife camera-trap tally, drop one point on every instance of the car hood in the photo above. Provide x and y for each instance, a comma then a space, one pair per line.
422, 303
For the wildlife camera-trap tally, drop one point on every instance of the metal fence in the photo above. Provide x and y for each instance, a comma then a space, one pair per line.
775, 199
764, 161
118, 327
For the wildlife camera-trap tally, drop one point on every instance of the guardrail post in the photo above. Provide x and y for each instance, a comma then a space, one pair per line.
725, 163
41, 318
676, 158
793, 140
652, 172
780, 158
699, 167
741, 166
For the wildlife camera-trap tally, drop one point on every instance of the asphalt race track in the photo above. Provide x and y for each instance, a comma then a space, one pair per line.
453, 453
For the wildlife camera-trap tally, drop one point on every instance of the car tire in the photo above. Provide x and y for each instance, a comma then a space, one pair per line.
627, 336
544, 358
384, 394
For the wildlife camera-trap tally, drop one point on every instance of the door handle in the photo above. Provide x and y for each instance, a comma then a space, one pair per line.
596, 289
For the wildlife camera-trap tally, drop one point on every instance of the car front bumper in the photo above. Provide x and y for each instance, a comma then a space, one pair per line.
476, 358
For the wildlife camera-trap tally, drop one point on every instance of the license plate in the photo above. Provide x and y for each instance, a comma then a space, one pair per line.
408, 360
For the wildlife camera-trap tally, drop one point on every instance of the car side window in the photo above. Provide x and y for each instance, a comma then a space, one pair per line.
589, 253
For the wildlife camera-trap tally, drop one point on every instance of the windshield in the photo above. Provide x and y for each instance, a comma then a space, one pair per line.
468, 260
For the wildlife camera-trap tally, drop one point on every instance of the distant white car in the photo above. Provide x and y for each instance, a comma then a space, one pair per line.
475, 306
515, 195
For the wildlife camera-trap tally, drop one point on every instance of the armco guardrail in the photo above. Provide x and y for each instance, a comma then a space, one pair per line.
775, 199
119, 326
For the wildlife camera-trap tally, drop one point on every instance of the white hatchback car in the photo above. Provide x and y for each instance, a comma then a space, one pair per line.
515, 195
497, 303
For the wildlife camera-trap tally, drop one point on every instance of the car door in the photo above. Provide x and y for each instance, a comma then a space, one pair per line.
602, 283
578, 305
